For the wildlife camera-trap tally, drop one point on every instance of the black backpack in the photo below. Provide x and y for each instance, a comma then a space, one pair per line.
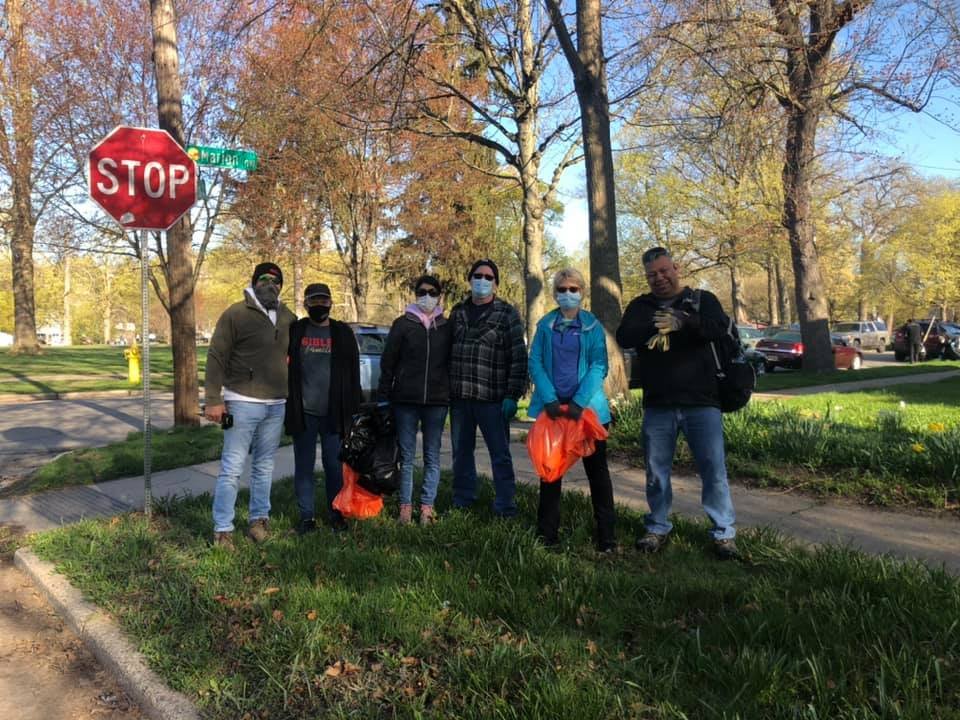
736, 378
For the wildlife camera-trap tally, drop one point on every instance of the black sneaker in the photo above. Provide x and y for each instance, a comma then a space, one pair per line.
306, 525
339, 525
651, 542
726, 549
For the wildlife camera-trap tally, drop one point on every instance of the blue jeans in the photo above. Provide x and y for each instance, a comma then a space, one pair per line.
703, 429
256, 430
429, 419
465, 417
305, 460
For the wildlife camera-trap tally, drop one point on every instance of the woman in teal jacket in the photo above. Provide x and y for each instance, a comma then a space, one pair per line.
568, 363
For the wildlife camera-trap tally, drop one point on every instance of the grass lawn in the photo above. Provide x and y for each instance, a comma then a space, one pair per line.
786, 380
86, 368
897, 445
471, 618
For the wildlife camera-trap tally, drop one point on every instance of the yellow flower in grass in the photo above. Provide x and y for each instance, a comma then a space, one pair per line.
918, 448
936, 427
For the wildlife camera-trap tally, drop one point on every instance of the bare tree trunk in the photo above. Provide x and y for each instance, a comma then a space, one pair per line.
22, 221
588, 65
106, 304
736, 293
67, 302
783, 296
532, 201
178, 269
773, 301
811, 296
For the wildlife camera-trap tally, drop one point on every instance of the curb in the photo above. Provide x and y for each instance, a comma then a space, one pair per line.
104, 639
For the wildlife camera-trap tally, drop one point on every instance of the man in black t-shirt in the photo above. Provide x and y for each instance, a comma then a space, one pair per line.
324, 394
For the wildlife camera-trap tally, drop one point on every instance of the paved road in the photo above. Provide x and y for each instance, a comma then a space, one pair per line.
49, 426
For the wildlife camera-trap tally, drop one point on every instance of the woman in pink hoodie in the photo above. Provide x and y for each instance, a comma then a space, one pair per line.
414, 377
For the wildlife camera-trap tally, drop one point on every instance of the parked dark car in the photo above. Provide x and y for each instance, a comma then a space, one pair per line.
931, 345
370, 341
785, 349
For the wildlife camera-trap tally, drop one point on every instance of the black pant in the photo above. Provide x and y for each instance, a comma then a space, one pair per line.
915, 352
601, 495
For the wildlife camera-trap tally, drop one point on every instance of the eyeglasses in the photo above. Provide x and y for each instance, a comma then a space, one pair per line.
654, 253
568, 289
483, 276
427, 291
269, 278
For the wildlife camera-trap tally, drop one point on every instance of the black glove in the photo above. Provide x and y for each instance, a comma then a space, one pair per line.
574, 411
553, 410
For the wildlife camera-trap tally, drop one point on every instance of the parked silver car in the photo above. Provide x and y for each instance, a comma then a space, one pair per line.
862, 335
370, 341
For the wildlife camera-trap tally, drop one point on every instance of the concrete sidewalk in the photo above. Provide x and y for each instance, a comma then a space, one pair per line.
854, 386
934, 539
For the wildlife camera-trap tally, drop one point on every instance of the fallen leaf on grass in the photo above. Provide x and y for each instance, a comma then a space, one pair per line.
591, 647
408, 661
271, 591
278, 615
312, 615
341, 668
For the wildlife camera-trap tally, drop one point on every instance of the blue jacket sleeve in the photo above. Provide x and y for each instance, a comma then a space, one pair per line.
592, 382
538, 371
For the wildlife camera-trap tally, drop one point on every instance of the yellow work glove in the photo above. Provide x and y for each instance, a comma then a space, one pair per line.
668, 321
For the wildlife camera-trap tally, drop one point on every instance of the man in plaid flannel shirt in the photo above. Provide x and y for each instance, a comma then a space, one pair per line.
488, 375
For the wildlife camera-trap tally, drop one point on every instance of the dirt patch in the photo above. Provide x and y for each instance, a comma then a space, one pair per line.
17, 468
45, 671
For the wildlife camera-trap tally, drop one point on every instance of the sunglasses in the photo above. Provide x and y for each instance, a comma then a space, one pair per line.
427, 291
483, 276
654, 253
269, 278
568, 289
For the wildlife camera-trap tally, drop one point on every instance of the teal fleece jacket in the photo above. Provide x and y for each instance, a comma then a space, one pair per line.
592, 371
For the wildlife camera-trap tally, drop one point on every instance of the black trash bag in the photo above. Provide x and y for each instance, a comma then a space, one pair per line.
371, 449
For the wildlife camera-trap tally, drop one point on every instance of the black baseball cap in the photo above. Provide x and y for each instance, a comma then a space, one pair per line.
316, 290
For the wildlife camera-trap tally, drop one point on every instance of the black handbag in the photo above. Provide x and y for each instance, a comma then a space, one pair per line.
736, 378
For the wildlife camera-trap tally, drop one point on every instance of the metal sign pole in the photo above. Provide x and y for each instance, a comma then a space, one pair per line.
145, 336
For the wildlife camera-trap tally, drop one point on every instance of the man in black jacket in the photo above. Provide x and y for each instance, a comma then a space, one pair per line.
324, 395
915, 340
672, 338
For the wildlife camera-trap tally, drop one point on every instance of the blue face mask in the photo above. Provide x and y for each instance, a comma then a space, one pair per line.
568, 301
481, 288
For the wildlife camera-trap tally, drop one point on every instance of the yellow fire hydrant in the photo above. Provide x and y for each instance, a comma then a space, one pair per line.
133, 364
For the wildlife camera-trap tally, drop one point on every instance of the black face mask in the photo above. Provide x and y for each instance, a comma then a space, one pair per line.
318, 313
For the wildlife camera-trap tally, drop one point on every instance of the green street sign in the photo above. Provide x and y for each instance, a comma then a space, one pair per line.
222, 157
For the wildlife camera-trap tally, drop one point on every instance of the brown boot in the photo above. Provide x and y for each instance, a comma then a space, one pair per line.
259, 530
406, 513
427, 516
223, 540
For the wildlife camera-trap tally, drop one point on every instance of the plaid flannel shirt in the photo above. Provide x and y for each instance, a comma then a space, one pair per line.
489, 359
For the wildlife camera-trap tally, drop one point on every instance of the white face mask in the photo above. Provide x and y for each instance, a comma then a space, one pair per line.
427, 303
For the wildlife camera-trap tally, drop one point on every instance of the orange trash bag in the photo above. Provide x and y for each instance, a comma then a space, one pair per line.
353, 501
555, 445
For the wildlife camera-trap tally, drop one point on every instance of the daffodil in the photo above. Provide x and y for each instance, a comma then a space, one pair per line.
918, 448
936, 427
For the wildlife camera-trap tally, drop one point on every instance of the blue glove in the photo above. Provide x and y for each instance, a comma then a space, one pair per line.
508, 408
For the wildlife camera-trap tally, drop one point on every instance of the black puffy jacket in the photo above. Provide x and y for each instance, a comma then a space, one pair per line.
415, 365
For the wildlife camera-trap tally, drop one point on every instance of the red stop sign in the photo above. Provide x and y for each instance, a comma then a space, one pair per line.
142, 178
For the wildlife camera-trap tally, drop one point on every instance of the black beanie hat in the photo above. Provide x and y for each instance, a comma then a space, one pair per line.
266, 268
429, 280
489, 263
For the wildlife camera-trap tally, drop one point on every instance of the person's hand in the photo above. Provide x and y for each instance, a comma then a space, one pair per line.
553, 409
669, 320
574, 411
509, 408
214, 412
